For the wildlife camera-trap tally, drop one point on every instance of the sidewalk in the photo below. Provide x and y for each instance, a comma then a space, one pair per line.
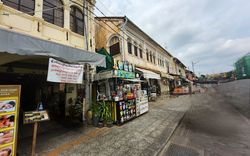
145, 135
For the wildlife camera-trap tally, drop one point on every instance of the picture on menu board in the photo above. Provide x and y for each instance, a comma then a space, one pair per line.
6, 136
6, 121
7, 105
6, 151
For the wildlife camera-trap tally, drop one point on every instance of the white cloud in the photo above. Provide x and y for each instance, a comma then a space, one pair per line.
214, 32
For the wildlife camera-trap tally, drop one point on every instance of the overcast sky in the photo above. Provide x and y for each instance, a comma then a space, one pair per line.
214, 33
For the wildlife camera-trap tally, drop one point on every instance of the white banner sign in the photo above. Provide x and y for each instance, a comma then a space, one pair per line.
64, 72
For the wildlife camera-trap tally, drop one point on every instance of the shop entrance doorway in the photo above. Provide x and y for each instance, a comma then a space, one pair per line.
31, 74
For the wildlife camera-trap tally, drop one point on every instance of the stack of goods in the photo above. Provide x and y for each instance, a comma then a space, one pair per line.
126, 110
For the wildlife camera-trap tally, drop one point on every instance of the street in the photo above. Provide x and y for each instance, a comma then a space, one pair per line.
134, 78
204, 124
212, 126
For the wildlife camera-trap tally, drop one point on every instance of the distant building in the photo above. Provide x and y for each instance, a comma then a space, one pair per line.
242, 67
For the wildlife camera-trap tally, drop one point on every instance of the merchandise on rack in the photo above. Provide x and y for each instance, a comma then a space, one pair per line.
141, 102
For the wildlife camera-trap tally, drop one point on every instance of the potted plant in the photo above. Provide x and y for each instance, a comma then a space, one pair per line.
105, 114
110, 122
95, 114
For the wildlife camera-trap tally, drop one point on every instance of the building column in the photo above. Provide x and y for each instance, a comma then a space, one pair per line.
67, 17
38, 8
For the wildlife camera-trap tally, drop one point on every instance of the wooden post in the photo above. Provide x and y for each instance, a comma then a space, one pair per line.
34, 139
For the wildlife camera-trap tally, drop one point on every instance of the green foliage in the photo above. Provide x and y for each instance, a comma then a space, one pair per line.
95, 109
104, 110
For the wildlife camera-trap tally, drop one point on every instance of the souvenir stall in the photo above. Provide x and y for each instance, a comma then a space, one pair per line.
121, 88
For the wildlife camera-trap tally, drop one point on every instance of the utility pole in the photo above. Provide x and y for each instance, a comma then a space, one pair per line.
86, 66
193, 66
194, 63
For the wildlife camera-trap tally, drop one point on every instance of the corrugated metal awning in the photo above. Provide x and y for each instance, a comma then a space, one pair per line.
16, 43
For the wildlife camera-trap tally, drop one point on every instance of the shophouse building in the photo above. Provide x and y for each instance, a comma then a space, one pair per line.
127, 42
31, 32
180, 74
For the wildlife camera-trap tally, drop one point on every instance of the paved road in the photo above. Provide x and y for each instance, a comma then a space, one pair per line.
212, 127
145, 135
237, 93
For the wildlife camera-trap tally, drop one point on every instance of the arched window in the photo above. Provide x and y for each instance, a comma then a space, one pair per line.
76, 20
114, 46
21, 5
53, 12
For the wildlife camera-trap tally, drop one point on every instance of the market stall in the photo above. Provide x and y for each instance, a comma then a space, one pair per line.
121, 88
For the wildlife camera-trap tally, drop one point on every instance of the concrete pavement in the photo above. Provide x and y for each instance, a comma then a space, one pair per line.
237, 93
211, 127
145, 135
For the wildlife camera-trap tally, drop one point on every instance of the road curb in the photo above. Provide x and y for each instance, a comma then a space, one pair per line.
159, 152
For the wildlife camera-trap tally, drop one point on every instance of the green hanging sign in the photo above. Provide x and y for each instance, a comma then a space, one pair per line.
124, 74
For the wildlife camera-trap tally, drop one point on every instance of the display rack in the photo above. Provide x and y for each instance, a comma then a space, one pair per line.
141, 104
126, 110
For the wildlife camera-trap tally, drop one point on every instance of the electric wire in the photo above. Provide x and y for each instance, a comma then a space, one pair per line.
145, 49
100, 1
93, 19
33, 12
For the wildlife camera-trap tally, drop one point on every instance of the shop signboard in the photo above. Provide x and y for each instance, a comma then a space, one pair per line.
171, 70
104, 75
35, 116
9, 108
124, 74
64, 72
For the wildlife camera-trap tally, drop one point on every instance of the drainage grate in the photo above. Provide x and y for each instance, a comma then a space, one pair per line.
175, 150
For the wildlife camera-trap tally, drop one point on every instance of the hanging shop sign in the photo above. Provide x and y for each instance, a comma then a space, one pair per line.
9, 105
64, 72
113, 74
35, 116
124, 74
103, 75
171, 70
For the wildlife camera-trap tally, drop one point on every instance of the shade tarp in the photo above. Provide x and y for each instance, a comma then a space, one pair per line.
16, 43
149, 74
109, 60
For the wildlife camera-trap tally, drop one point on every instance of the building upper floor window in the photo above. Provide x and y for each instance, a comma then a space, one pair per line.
151, 59
129, 47
140, 50
147, 54
26, 6
154, 58
135, 50
76, 20
114, 46
53, 12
